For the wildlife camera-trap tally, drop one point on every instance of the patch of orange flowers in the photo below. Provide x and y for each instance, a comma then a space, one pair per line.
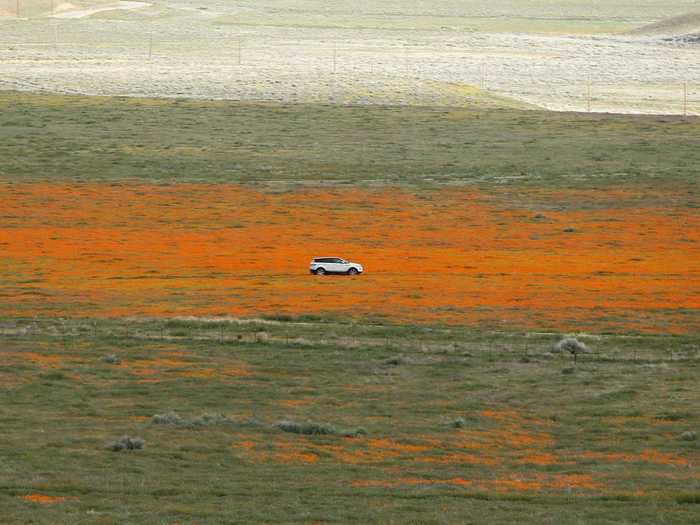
294, 403
494, 459
280, 452
43, 361
43, 499
164, 367
501, 415
489, 449
543, 458
535, 482
595, 261
646, 456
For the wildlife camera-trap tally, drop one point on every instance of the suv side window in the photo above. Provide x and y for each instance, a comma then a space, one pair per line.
336, 260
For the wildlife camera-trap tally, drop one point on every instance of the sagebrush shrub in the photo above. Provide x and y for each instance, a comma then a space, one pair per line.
111, 359
126, 443
571, 345
307, 428
210, 419
169, 418
318, 429
458, 422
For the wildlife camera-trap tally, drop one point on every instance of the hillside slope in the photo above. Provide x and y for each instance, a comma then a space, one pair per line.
686, 24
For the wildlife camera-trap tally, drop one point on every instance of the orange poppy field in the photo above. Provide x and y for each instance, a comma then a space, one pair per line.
532, 258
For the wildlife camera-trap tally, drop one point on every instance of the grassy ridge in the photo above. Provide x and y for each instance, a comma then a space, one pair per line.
106, 139
460, 426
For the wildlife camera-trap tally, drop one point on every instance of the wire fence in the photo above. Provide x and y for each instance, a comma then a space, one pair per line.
350, 336
154, 62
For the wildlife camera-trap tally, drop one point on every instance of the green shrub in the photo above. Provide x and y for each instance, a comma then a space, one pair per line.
54, 375
673, 416
692, 498
281, 318
354, 432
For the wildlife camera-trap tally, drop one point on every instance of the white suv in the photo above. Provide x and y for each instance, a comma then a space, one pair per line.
324, 265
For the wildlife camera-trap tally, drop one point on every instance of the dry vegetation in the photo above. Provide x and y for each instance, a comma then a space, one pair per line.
506, 53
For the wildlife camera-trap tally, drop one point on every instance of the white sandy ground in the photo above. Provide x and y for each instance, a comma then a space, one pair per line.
82, 13
180, 50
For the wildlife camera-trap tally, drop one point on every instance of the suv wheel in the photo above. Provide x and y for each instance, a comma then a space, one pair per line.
320, 271
353, 271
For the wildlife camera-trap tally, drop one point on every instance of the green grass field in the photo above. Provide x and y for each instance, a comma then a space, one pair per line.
446, 426
96, 139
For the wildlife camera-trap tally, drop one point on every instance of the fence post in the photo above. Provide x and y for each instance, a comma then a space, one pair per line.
335, 56
588, 94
